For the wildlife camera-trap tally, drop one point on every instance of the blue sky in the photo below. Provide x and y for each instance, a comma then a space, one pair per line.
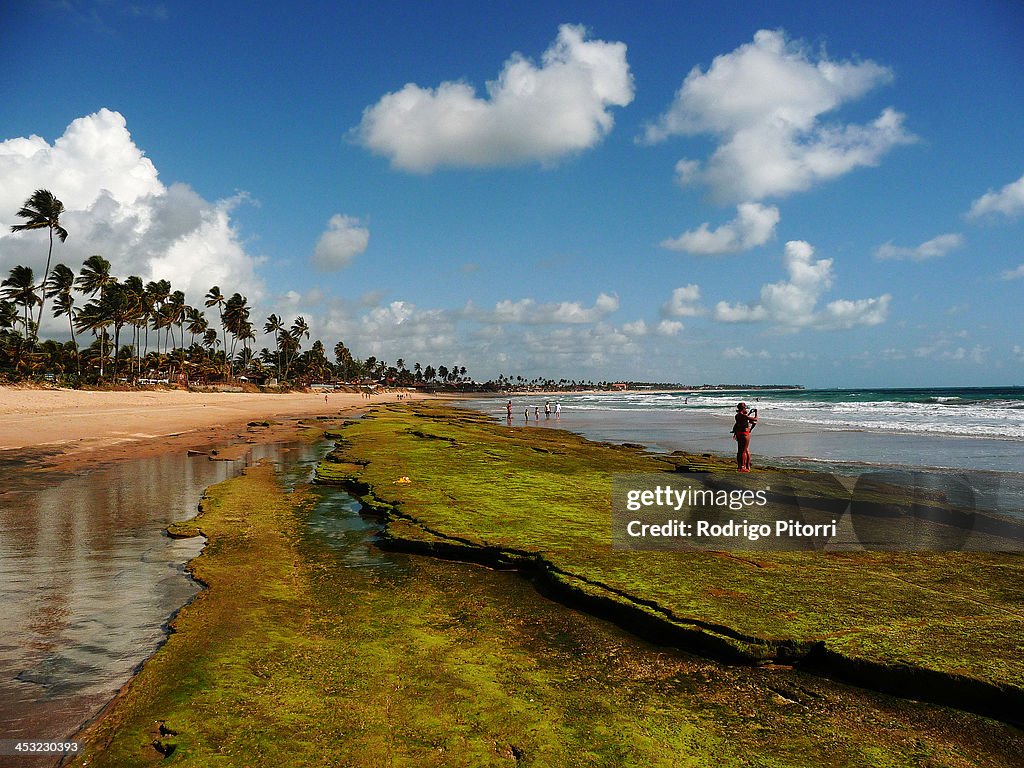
760, 192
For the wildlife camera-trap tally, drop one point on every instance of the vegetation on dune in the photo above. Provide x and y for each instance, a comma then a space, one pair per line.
290, 658
539, 499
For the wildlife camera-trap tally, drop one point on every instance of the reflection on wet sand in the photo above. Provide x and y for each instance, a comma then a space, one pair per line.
88, 581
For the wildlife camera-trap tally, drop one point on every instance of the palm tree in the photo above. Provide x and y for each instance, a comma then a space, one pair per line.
236, 317
299, 329
20, 289
94, 278
174, 310
345, 361
119, 307
8, 314
59, 286
43, 210
215, 298
140, 316
156, 294
197, 324
248, 334
275, 325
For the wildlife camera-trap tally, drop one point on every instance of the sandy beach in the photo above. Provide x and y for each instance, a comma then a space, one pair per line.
71, 426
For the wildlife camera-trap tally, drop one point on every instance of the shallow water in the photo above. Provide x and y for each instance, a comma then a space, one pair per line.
994, 468
89, 579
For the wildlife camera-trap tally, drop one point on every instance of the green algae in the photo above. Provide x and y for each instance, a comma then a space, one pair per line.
291, 659
539, 499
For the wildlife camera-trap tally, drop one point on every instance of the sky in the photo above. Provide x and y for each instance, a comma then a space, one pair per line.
828, 194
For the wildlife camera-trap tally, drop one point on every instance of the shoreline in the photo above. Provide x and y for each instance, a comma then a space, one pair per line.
991, 466
66, 430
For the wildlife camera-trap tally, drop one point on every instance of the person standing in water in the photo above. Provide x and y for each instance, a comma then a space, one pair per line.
745, 421
509, 409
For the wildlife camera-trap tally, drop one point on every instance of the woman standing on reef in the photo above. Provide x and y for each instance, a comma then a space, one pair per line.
741, 434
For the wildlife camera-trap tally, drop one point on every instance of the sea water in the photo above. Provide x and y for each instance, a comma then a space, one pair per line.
975, 430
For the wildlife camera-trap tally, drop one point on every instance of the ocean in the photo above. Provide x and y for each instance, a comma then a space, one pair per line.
979, 431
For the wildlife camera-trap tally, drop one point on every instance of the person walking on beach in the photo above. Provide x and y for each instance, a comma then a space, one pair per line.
547, 410
558, 411
741, 434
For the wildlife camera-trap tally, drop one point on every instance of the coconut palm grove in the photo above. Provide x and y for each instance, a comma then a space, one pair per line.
128, 331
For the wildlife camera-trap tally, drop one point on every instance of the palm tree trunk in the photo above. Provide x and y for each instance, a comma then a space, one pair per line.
42, 299
117, 347
78, 356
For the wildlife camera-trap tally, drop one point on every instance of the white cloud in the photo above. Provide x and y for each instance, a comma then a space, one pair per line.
636, 328
669, 328
575, 348
930, 249
942, 351
115, 205
844, 313
736, 353
343, 240
1008, 201
1014, 274
684, 302
389, 331
531, 113
742, 353
754, 225
528, 311
764, 101
664, 328
792, 303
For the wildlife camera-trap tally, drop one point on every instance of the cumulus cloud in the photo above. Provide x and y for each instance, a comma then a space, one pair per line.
1008, 201
1014, 274
792, 303
930, 249
116, 205
574, 348
684, 302
531, 113
391, 330
765, 102
530, 312
636, 328
343, 240
742, 353
754, 225
669, 328
945, 347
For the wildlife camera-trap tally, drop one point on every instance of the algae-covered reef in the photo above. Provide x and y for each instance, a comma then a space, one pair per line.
940, 626
292, 657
